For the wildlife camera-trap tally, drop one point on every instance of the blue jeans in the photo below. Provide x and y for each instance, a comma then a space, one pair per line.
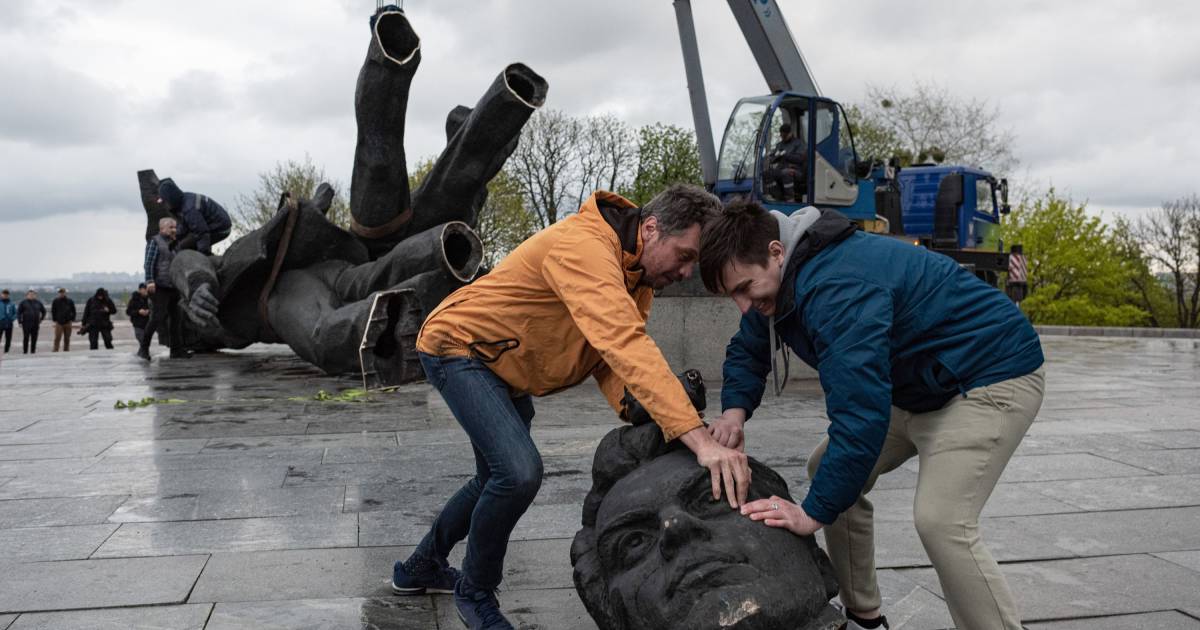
508, 468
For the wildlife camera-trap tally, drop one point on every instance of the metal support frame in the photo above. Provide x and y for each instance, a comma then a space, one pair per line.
695, 80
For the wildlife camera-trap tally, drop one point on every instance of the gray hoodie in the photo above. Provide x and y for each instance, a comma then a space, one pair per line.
791, 230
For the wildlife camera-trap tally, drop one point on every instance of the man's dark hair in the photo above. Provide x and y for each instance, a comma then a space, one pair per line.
785, 128
742, 232
680, 207
141, 285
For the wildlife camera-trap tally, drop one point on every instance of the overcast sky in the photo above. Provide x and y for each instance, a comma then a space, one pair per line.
1100, 94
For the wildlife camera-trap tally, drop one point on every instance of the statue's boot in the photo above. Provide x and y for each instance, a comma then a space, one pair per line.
480, 141
380, 205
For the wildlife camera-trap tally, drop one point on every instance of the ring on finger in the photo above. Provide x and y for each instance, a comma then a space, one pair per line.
774, 506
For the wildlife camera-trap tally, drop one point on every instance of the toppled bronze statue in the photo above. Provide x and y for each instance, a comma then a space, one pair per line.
350, 301
656, 551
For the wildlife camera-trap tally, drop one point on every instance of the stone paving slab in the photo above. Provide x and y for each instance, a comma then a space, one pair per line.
30, 467
141, 483
74, 584
409, 613
53, 512
231, 504
71, 542
1170, 620
6, 620
1091, 587
70, 450
910, 606
184, 617
1109, 468
237, 534
1127, 493
202, 461
298, 574
1188, 559
1183, 461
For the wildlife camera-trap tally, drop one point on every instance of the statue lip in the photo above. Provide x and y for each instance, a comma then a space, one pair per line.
725, 570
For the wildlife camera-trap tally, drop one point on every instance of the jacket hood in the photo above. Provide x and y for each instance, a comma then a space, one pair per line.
792, 228
819, 232
803, 234
170, 193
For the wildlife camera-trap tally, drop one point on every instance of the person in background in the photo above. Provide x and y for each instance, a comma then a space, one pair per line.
30, 312
8, 315
97, 317
160, 251
202, 221
138, 311
62, 311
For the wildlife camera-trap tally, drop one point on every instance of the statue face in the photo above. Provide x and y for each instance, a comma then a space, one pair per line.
673, 557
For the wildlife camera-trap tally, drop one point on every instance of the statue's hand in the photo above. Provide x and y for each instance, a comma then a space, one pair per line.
202, 307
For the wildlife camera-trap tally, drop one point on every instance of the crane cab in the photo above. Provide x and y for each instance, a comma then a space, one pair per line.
789, 150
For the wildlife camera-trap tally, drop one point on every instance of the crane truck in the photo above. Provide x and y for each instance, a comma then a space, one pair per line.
953, 210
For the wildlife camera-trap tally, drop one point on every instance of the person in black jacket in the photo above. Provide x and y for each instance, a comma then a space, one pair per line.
62, 311
138, 311
788, 162
30, 312
97, 314
202, 221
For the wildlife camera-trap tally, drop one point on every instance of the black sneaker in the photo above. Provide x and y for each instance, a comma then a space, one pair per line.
143, 354
418, 576
478, 609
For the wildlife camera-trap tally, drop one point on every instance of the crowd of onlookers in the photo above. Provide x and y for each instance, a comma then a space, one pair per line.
95, 321
196, 222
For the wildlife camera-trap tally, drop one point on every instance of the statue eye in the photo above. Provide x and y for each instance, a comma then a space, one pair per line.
631, 547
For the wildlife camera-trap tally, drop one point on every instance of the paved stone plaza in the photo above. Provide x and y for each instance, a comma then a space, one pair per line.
247, 506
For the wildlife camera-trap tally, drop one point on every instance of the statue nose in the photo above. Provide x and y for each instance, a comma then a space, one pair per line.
679, 529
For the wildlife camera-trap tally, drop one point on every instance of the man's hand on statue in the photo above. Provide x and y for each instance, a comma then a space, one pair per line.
727, 429
729, 467
777, 512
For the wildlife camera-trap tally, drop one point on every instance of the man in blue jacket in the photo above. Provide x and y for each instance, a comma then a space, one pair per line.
916, 356
8, 315
202, 221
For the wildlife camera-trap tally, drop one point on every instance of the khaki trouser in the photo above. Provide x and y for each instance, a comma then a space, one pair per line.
962, 448
62, 332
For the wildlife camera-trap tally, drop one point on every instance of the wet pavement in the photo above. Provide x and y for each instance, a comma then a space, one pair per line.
248, 504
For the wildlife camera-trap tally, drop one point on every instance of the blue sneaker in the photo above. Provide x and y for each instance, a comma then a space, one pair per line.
418, 576
478, 609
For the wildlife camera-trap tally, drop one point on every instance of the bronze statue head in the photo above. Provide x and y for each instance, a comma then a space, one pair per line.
656, 551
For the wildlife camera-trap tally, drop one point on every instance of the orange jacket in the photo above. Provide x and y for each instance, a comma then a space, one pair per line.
565, 304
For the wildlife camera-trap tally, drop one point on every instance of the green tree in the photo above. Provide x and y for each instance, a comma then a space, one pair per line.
298, 178
504, 220
1153, 294
1077, 274
666, 155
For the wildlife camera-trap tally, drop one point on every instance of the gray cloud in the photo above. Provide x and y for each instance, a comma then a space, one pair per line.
1100, 96
45, 104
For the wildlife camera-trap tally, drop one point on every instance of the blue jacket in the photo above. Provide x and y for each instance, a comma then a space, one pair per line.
199, 217
8, 314
884, 323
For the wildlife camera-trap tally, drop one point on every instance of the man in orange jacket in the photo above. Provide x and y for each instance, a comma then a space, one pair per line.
568, 303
